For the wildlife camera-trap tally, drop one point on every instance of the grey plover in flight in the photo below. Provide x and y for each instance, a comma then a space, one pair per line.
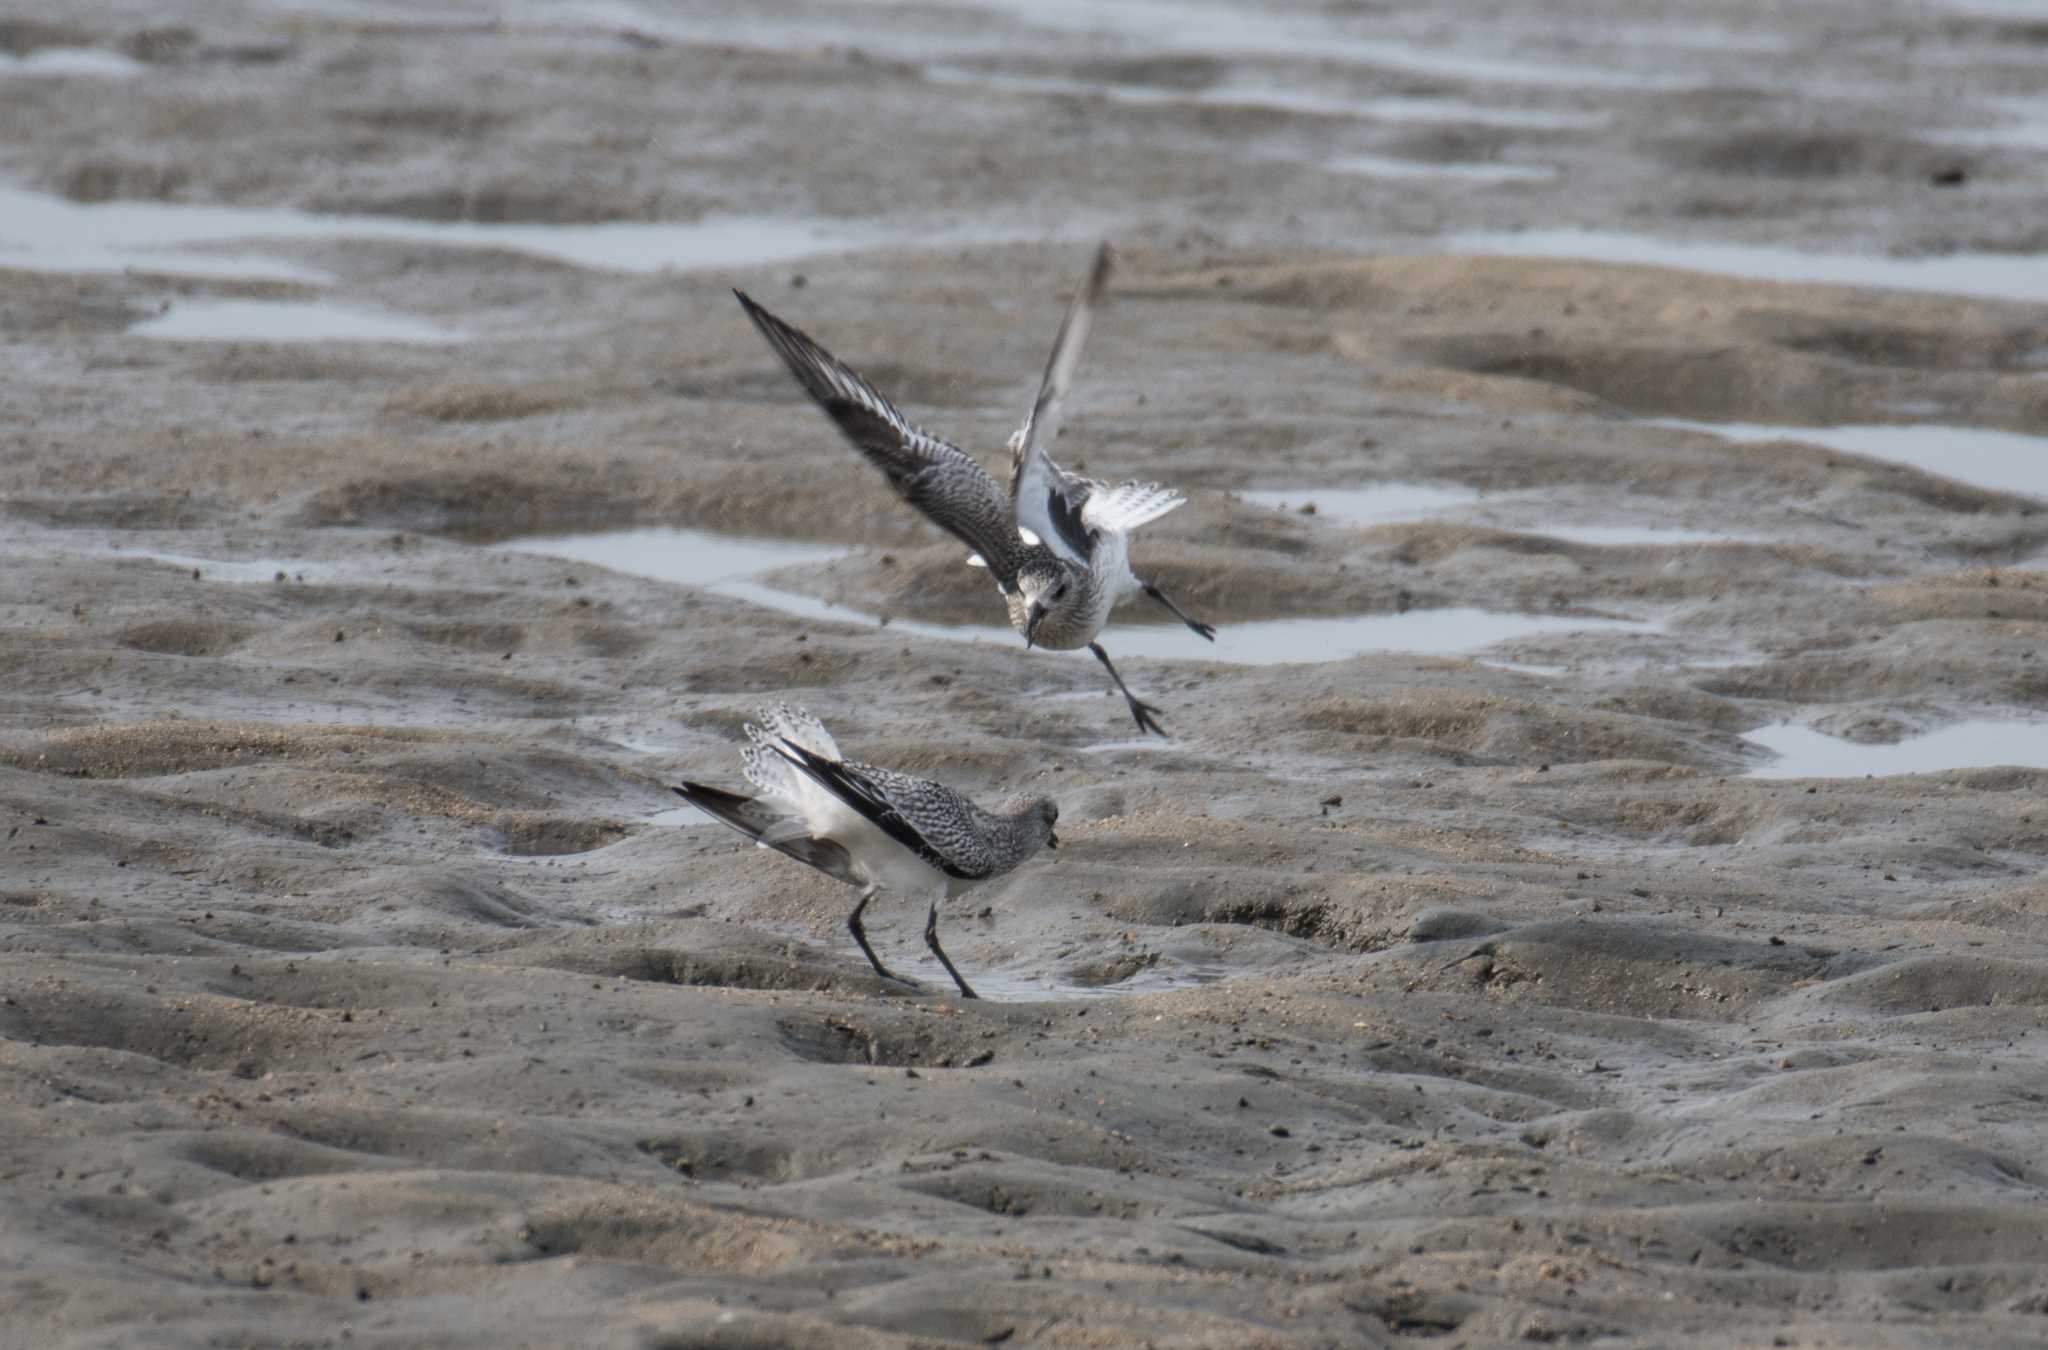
1057, 544
872, 828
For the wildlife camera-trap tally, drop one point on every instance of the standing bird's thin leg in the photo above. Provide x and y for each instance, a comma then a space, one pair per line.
1142, 711
860, 936
1206, 630
931, 940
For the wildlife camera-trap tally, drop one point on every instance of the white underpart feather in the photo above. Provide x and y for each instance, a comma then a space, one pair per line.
1128, 505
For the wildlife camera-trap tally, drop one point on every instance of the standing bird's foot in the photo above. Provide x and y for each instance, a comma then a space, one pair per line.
1206, 630
931, 940
860, 935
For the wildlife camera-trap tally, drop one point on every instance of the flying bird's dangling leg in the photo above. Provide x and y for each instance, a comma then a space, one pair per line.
1140, 710
1206, 630
931, 940
860, 936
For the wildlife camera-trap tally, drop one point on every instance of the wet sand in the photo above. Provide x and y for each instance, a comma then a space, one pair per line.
360, 985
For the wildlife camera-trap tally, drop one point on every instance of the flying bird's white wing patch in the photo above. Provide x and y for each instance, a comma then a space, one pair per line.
1128, 505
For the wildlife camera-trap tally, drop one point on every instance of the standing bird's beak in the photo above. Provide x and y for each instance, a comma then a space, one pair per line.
1031, 621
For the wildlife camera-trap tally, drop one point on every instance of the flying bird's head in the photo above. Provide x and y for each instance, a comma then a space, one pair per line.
1052, 597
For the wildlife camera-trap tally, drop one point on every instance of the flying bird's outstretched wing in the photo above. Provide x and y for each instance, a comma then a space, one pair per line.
937, 478
1046, 499
930, 819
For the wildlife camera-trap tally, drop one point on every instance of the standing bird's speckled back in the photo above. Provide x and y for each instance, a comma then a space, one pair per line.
871, 827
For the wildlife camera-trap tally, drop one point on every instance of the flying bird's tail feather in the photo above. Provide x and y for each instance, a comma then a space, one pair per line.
1128, 505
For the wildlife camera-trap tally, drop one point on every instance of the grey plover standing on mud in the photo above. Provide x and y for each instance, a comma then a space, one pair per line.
1057, 544
872, 828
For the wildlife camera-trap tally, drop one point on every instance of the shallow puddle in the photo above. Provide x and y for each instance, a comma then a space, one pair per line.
1632, 536
277, 571
91, 62
2005, 461
44, 233
724, 566
2002, 276
286, 321
895, 926
1159, 27
691, 557
1803, 752
1381, 504
2025, 127
1395, 503
1428, 111
1386, 166
1226, 31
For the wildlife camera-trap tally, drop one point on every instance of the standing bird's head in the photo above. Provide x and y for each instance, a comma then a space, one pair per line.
1035, 817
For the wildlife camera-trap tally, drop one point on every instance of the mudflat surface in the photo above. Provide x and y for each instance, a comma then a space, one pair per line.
357, 986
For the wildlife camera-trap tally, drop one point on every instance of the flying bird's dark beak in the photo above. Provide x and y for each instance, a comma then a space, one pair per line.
1052, 840
1031, 621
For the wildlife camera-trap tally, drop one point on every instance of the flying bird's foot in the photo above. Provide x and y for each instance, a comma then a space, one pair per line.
1140, 709
1143, 711
1206, 630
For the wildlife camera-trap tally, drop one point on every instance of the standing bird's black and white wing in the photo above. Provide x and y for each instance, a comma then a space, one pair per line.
939, 479
930, 819
768, 823
1044, 498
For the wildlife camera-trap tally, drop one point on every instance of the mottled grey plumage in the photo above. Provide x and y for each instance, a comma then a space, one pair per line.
872, 827
1057, 543
938, 478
